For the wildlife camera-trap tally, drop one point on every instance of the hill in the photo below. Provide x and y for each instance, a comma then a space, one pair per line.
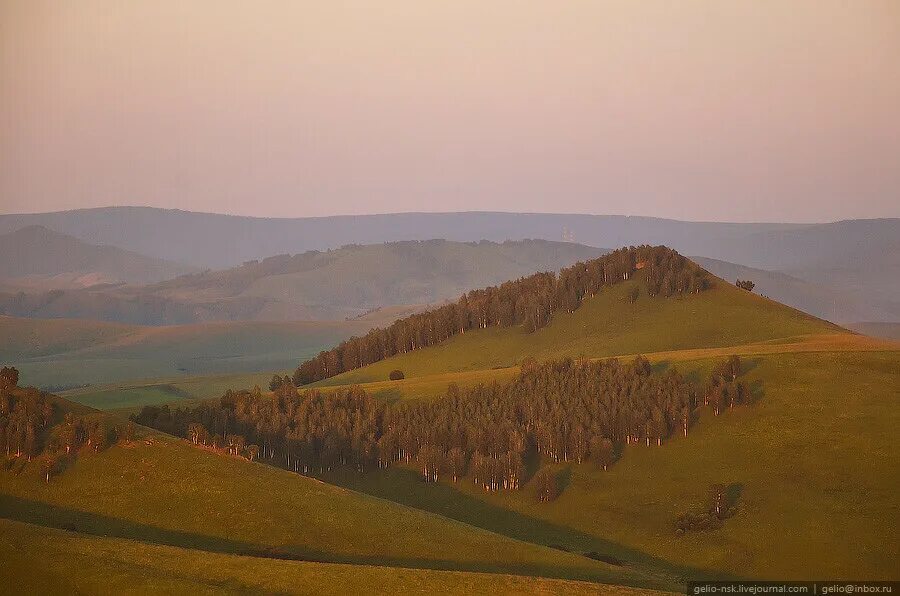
609, 324
857, 259
37, 258
811, 458
81, 563
331, 285
161, 491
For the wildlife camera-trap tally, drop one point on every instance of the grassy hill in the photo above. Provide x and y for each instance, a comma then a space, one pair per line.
608, 325
160, 490
79, 563
813, 459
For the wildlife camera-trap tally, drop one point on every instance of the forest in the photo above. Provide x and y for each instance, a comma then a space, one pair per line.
558, 411
29, 428
530, 302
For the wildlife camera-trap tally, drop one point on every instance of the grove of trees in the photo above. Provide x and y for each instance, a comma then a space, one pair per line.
530, 302
28, 429
558, 411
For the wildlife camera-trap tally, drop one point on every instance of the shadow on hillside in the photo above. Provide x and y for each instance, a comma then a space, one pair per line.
94, 524
404, 486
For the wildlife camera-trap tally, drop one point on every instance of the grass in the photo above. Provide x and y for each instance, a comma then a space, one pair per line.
65, 353
77, 563
173, 494
129, 397
814, 459
607, 325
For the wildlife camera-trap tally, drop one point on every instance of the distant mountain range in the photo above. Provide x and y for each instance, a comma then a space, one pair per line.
217, 241
331, 285
845, 271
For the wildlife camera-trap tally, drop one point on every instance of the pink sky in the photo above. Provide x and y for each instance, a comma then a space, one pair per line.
713, 110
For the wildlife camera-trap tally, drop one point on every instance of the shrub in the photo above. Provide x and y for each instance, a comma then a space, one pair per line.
396, 375
546, 485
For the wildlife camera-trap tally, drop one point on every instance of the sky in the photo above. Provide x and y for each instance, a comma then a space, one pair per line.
716, 110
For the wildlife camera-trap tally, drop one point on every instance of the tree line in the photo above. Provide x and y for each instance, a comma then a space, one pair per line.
529, 302
558, 411
29, 427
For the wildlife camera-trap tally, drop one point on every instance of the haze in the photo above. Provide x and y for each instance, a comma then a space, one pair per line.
770, 111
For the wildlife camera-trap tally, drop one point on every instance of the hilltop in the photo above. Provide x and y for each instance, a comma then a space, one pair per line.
809, 457
609, 324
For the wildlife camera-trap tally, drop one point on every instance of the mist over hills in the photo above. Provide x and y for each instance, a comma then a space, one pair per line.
35, 257
218, 241
850, 269
331, 285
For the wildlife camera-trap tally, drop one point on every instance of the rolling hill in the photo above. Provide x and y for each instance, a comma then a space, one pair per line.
36, 258
855, 260
609, 325
164, 496
812, 457
332, 285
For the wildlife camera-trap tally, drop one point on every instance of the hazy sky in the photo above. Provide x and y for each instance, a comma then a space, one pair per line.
714, 110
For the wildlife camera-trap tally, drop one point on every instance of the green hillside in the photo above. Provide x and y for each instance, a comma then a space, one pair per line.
813, 459
608, 325
79, 563
160, 490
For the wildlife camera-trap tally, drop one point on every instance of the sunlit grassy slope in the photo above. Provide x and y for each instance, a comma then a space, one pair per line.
173, 494
608, 325
814, 460
77, 563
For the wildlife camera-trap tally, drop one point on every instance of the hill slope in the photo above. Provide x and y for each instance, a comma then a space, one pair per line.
608, 325
160, 490
78, 563
38, 258
813, 458
332, 285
